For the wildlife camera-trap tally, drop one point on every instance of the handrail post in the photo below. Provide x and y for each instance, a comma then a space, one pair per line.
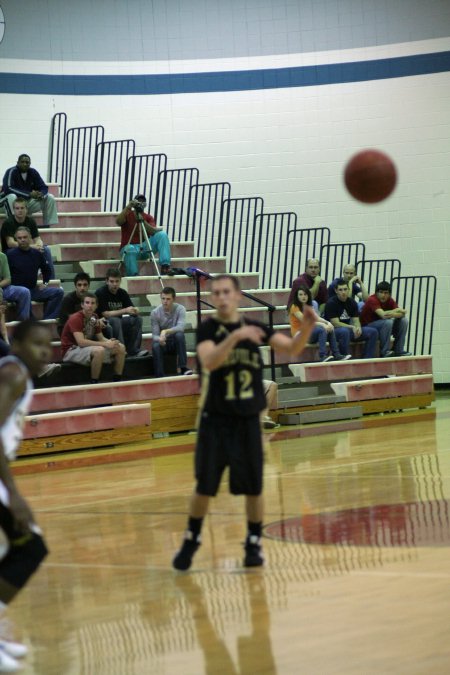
197, 290
272, 353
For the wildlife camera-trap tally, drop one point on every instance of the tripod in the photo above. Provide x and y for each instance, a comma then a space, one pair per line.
140, 223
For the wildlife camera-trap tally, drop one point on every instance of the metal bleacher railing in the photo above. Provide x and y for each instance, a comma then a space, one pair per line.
301, 245
173, 200
205, 208
109, 178
373, 271
417, 294
271, 244
333, 257
141, 176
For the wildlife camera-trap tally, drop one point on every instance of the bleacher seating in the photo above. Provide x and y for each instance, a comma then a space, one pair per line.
63, 416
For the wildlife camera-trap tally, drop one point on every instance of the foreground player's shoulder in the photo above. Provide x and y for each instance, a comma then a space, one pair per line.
207, 330
13, 382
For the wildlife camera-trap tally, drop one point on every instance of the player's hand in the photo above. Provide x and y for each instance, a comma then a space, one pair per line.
252, 333
21, 512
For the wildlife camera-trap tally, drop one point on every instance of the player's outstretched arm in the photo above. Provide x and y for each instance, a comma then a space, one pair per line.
212, 355
294, 346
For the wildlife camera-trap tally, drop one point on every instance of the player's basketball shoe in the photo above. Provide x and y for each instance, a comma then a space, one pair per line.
14, 649
7, 663
253, 551
183, 559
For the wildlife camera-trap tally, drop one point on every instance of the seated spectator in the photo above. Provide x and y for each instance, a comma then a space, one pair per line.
23, 181
25, 263
382, 313
342, 311
83, 342
311, 279
133, 245
168, 321
356, 286
17, 294
322, 331
19, 219
116, 306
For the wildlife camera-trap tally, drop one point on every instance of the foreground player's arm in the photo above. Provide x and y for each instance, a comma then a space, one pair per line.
12, 387
294, 346
212, 356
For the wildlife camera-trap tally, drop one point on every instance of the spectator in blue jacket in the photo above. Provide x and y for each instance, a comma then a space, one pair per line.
23, 181
24, 264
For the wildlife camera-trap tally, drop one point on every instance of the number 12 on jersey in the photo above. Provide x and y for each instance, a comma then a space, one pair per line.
239, 385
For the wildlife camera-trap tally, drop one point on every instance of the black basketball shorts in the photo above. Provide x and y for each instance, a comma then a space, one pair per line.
229, 441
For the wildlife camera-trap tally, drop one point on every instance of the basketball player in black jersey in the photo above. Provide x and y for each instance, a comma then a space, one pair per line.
229, 433
30, 352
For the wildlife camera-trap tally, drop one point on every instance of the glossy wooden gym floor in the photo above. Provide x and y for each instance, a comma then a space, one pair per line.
369, 594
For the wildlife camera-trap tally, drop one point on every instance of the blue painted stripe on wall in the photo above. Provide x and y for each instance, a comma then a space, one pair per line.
239, 80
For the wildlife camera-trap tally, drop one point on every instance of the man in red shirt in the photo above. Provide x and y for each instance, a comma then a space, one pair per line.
311, 279
136, 248
382, 312
83, 342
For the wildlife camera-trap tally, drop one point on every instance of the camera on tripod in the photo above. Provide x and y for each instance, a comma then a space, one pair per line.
139, 203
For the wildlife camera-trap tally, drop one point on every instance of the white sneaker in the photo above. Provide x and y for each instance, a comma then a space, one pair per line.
8, 664
14, 649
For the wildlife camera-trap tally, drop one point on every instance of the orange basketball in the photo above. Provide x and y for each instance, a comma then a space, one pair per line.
370, 176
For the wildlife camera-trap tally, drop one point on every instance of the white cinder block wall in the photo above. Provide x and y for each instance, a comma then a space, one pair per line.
288, 145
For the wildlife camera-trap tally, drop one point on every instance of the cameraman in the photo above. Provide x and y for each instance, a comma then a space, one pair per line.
135, 250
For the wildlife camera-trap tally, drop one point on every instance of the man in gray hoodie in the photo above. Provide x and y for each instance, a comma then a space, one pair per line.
168, 321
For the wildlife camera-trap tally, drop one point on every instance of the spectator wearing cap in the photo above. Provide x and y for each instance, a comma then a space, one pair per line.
133, 244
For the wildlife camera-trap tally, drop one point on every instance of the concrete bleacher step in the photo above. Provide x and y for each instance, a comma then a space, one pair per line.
78, 204
97, 268
88, 251
86, 396
189, 298
288, 394
181, 283
323, 415
82, 219
318, 400
54, 236
215, 265
361, 368
77, 220
87, 420
75, 205
388, 387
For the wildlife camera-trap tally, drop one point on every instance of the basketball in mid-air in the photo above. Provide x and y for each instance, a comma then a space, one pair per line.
370, 176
